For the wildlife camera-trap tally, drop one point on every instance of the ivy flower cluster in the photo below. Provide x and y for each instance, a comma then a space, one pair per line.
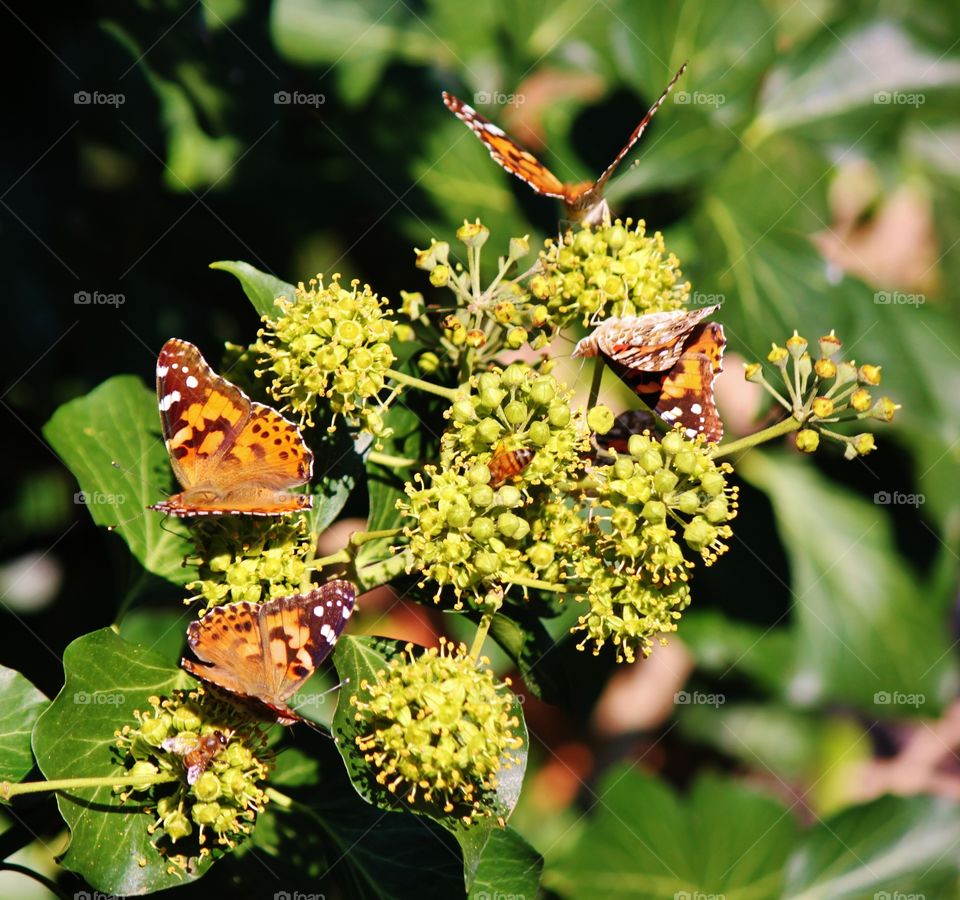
651, 505
608, 270
825, 391
220, 804
475, 529
437, 730
331, 343
249, 559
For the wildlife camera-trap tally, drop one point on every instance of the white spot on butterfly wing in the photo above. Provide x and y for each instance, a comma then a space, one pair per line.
162, 371
328, 634
169, 400
192, 382
696, 409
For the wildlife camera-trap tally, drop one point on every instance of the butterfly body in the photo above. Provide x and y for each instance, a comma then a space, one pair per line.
197, 751
670, 360
583, 201
265, 652
232, 456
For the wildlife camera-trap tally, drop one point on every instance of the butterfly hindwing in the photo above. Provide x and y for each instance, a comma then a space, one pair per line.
229, 454
267, 651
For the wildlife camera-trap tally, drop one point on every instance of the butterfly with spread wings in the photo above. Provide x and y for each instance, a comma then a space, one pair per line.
583, 201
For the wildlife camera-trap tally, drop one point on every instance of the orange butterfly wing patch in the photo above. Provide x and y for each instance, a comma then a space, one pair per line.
265, 652
232, 456
584, 200
670, 360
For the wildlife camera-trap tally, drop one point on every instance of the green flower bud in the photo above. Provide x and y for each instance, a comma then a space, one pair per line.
654, 511
439, 276
539, 433
489, 431
807, 440
482, 495
509, 496
541, 555
600, 419
207, 787
516, 412
482, 529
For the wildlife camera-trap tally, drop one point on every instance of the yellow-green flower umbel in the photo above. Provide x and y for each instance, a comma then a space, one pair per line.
437, 730
608, 270
329, 342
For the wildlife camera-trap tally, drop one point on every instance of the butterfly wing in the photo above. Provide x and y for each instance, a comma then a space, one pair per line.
238, 455
299, 633
594, 193
507, 152
684, 393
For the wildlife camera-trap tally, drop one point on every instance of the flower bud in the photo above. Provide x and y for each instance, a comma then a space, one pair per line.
825, 368
519, 247
796, 345
861, 400
807, 440
473, 234
822, 407
439, 276
830, 345
600, 419
869, 374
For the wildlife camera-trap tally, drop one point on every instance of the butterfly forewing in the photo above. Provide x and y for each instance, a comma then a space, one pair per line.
267, 651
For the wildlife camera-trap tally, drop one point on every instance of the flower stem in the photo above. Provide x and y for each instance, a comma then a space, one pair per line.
8, 790
752, 440
545, 585
595, 382
421, 385
341, 556
485, 621
385, 459
358, 538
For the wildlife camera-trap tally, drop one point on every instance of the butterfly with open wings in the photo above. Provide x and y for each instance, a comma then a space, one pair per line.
264, 652
583, 201
232, 456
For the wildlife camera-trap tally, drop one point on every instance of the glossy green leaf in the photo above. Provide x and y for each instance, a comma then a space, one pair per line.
20, 704
865, 633
261, 288
106, 679
110, 440
893, 847
645, 842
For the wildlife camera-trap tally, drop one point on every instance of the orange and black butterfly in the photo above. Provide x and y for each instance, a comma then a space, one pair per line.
583, 201
670, 359
508, 464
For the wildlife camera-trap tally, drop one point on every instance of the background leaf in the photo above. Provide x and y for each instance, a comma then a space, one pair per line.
20, 704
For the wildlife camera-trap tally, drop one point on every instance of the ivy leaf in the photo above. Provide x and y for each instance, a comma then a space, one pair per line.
499, 861
361, 659
337, 468
645, 841
106, 679
894, 846
20, 705
261, 288
875, 640
385, 483
110, 440
530, 646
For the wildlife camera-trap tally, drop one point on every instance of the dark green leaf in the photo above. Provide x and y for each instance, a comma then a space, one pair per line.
110, 440
261, 288
106, 679
645, 842
20, 704
865, 632
499, 861
896, 846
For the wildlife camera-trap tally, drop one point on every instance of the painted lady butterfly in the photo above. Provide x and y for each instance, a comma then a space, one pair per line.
266, 651
231, 456
670, 359
198, 751
508, 464
583, 201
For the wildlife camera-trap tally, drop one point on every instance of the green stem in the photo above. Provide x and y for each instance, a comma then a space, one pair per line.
485, 621
752, 440
545, 585
385, 459
51, 886
8, 790
341, 556
595, 382
359, 538
421, 385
